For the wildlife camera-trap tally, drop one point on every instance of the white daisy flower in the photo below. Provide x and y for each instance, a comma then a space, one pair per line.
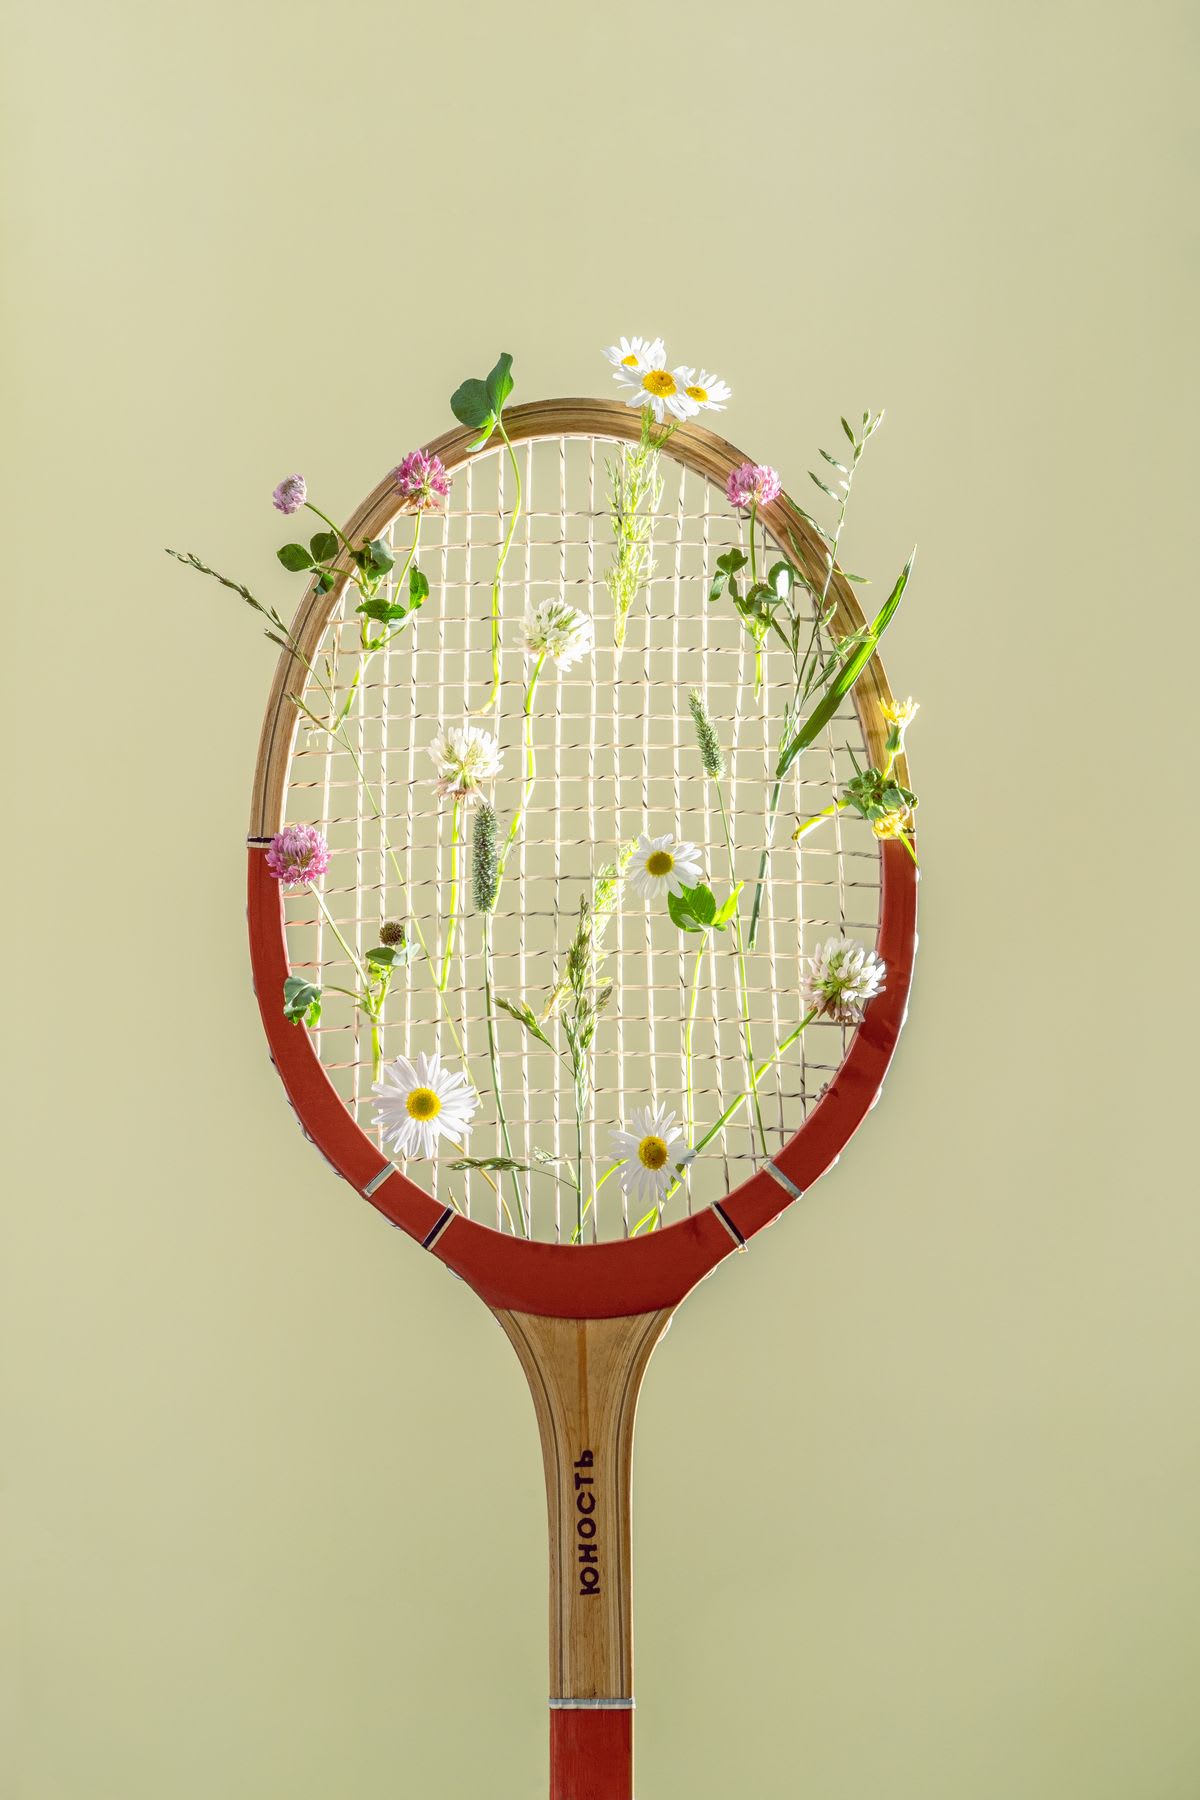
649, 1152
661, 866
840, 979
635, 353
558, 631
652, 384
708, 391
420, 1102
464, 757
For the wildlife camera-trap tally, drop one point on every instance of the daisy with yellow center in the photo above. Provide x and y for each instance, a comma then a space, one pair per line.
634, 353
660, 866
649, 383
708, 392
649, 1153
421, 1102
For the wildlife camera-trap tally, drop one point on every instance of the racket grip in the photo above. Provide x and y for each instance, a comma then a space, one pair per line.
585, 1376
591, 1755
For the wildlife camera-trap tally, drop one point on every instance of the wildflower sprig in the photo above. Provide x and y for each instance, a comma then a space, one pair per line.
559, 633
485, 886
635, 488
586, 999
875, 794
712, 756
667, 398
816, 673
760, 607
479, 405
297, 857
422, 482
333, 725
697, 912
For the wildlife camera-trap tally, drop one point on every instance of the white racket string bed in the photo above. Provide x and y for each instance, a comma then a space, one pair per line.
554, 999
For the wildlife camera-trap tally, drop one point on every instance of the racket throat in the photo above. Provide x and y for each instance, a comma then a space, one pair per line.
585, 1376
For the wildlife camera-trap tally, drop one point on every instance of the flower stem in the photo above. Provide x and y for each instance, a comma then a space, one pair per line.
757, 1076
758, 661
494, 1060
828, 812
504, 550
578, 1231
408, 561
444, 977
367, 1001
333, 926
743, 984
337, 531
518, 820
579, 1206
764, 859
687, 1037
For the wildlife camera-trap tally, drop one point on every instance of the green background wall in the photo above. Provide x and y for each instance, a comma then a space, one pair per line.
918, 1478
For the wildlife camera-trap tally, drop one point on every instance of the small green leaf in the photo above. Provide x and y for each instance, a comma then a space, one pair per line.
524, 1015
702, 902
385, 611
471, 405
418, 587
681, 912
301, 1001
781, 576
295, 557
727, 909
500, 383
833, 462
823, 488
324, 546
326, 581
732, 561
385, 959
381, 556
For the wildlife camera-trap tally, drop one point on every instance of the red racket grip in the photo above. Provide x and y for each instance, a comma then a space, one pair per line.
591, 1754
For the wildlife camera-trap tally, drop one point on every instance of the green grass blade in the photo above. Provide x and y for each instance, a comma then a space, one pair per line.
849, 673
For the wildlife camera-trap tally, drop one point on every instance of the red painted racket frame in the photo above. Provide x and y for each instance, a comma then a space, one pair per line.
589, 1281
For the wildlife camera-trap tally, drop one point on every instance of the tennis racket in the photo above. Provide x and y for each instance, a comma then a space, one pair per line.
534, 1210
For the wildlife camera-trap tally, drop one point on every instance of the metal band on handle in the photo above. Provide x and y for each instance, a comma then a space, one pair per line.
619, 1705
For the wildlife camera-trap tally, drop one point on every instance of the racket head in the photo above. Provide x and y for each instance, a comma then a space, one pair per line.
631, 1274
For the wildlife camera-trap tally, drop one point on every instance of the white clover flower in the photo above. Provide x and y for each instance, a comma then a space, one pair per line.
558, 631
649, 1153
465, 757
421, 1102
661, 866
650, 383
708, 391
634, 353
840, 979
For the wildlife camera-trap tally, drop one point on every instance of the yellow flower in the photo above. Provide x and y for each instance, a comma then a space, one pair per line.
894, 824
900, 712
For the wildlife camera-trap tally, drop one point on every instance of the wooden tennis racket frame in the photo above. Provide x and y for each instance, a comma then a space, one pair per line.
583, 1319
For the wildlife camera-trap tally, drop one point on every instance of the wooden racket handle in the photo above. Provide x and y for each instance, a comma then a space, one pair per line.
585, 1376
